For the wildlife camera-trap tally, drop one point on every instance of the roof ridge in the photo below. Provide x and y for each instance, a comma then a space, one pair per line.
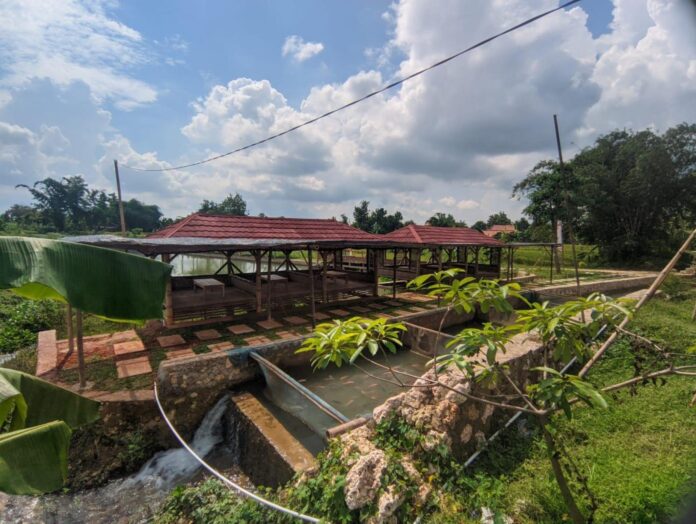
224, 215
181, 224
415, 233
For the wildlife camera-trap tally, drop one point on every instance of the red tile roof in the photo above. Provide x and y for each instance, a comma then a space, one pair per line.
434, 235
200, 225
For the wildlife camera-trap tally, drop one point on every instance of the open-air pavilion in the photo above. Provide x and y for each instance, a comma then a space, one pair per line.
296, 262
420, 250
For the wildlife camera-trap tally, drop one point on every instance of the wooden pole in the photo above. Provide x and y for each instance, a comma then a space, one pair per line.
313, 306
394, 275
551, 269
257, 258
168, 302
71, 334
80, 349
476, 261
375, 268
269, 285
647, 296
120, 200
324, 264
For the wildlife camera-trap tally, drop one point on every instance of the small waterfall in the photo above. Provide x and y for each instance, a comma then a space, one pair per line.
167, 467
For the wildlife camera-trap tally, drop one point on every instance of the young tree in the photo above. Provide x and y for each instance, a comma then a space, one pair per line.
475, 353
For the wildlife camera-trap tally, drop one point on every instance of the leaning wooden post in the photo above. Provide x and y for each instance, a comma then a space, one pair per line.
268, 283
313, 306
80, 349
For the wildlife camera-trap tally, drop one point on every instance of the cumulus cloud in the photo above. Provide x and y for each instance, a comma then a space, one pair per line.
71, 41
295, 47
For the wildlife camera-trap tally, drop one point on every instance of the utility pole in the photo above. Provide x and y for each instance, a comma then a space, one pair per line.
569, 226
558, 250
120, 200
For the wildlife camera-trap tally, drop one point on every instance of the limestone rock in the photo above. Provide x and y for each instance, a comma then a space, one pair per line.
388, 503
364, 478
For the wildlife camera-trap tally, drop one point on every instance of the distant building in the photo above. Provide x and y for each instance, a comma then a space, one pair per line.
499, 229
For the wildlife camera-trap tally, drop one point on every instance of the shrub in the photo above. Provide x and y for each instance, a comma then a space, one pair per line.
21, 319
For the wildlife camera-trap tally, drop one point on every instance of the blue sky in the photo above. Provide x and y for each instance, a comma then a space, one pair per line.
162, 83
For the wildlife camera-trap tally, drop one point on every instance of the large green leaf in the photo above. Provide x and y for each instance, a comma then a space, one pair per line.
12, 404
34, 460
45, 402
108, 283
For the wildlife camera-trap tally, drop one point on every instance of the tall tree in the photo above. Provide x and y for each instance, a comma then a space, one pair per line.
361, 216
231, 205
479, 225
498, 219
442, 220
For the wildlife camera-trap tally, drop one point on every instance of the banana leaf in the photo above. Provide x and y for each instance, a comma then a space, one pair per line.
40, 417
108, 283
34, 460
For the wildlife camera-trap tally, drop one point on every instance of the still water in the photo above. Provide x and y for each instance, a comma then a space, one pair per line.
208, 265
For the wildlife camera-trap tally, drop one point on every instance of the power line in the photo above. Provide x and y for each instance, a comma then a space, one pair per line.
365, 97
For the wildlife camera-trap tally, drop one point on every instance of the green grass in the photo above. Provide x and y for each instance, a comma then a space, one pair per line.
639, 455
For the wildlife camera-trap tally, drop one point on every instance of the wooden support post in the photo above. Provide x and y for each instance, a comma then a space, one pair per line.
324, 264
313, 306
168, 302
419, 251
466, 260
438, 254
375, 265
553, 251
269, 285
69, 324
394, 274
228, 255
476, 261
257, 258
80, 350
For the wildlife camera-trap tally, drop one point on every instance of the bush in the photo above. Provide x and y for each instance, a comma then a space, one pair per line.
21, 319
675, 287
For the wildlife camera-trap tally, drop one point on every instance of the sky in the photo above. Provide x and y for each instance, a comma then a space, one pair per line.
159, 84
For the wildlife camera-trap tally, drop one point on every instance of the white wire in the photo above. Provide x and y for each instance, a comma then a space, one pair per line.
239, 489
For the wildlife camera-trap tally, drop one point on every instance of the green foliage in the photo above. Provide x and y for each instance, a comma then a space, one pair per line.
675, 287
38, 421
69, 204
376, 221
231, 205
343, 342
20, 320
445, 220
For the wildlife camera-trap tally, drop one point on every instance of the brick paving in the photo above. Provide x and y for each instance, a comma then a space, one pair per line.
339, 312
288, 335
401, 312
258, 340
415, 297
171, 340
207, 334
418, 309
394, 303
384, 315
132, 367
240, 329
360, 309
221, 346
377, 305
126, 348
180, 353
321, 316
269, 324
296, 321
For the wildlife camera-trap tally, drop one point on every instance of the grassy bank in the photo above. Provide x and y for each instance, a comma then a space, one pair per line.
639, 456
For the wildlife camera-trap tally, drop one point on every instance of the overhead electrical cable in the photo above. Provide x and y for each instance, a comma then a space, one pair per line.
365, 97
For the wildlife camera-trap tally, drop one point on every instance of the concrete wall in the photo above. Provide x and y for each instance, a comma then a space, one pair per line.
601, 286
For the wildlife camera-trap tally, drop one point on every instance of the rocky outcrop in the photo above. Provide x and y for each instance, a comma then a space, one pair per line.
364, 479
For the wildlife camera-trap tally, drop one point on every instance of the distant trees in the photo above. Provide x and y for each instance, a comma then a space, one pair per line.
231, 205
378, 221
479, 225
498, 219
631, 193
445, 220
69, 204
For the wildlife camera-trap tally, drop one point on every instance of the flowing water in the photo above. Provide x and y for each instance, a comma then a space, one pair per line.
135, 498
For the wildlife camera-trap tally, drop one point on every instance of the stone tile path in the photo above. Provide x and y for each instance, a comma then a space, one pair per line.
394, 303
180, 353
321, 316
126, 348
132, 367
401, 312
339, 312
296, 321
288, 335
360, 309
269, 324
384, 315
418, 309
221, 346
171, 340
415, 297
377, 305
258, 340
207, 334
240, 329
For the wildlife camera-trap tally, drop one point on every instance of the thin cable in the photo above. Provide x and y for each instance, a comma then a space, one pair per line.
363, 98
239, 489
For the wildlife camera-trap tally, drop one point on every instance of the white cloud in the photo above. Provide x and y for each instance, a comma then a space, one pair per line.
73, 41
299, 50
467, 204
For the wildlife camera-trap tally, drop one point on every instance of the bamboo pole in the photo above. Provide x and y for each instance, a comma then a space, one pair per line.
80, 349
648, 295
